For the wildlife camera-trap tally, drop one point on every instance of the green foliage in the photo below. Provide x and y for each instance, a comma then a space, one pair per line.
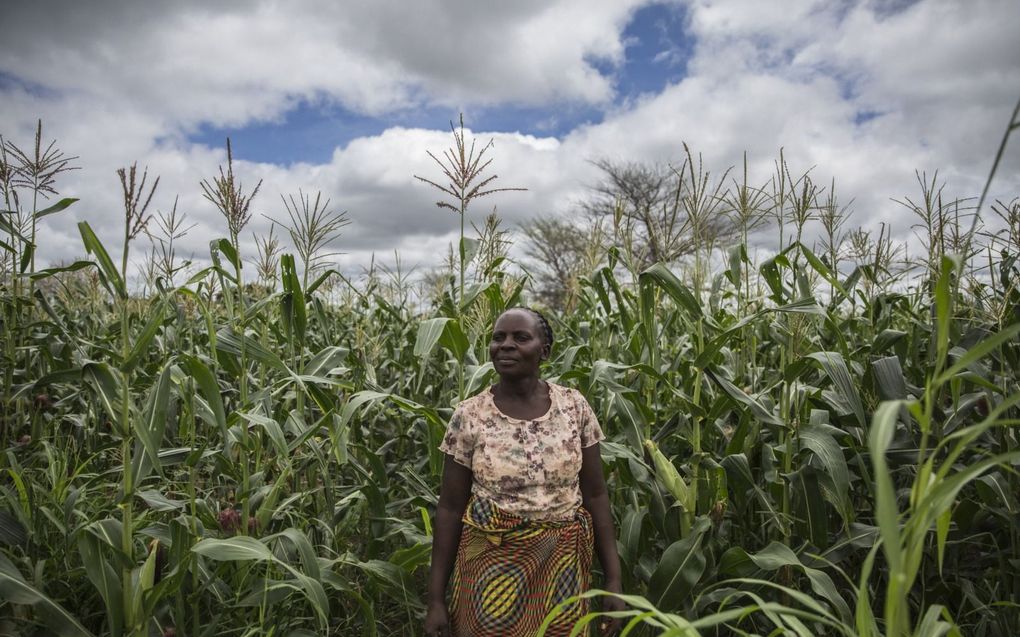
790, 449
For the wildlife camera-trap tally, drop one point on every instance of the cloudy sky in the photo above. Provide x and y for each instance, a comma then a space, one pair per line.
346, 98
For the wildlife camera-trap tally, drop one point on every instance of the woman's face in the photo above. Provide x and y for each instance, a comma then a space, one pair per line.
517, 346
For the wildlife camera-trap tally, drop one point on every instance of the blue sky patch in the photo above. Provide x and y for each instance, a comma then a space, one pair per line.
307, 133
658, 47
863, 117
10, 82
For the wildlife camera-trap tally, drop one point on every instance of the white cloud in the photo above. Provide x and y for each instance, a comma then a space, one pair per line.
762, 77
229, 64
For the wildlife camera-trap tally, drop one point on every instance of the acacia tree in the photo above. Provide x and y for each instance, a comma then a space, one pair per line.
648, 201
556, 249
659, 213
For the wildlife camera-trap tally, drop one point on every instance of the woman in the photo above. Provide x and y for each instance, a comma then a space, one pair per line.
522, 500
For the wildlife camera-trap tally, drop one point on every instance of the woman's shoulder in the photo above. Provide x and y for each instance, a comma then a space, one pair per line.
475, 403
568, 394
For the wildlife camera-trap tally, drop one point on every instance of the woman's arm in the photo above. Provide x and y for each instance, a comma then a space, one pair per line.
595, 499
453, 497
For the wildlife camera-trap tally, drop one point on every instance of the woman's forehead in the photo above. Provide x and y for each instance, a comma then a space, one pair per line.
514, 320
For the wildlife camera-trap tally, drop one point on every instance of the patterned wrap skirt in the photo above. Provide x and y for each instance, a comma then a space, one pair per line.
510, 572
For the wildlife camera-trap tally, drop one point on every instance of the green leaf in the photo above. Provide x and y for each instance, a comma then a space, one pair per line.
836, 369
490, 289
107, 271
159, 502
932, 624
820, 441
630, 533
63, 204
734, 392
822, 269
477, 377
206, 383
889, 381
942, 533
150, 428
144, 579
294, 313
769, 271
775, 556
309, 561
737, 257
943, 307
26, 258
738, 474
230, 342
810, 505
412, 557
326, 362
883, 426
886, 339
14, 589
105, 578
443, 331
468, 248
11, 228
679, 570
978, 352
224, 247
107, 384
12, 531
141, 344
272, 429
236, 549
661, 276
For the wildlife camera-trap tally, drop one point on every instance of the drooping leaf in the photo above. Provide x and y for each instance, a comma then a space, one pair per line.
661, 276
889, 381
105, 577
443, 331
14, 589
235, 549
821, 442
206, 383
836, 369
679, 570
327, 361
272, 429
141, 345
107, 271
107, 384
230, 342
150, 427
756, 408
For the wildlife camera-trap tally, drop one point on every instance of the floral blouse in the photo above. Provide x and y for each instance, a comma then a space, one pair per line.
526, 467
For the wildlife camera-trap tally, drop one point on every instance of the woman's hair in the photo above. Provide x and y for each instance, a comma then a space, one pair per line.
547, 333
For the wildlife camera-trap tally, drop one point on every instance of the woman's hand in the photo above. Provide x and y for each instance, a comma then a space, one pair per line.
609, 626
437, 620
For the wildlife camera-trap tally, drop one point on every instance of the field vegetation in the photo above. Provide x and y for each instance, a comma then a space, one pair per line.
822, 441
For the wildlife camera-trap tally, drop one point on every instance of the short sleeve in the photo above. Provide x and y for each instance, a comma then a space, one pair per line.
591, 432
459, 440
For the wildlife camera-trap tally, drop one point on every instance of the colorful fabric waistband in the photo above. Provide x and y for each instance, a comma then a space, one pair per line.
483, 515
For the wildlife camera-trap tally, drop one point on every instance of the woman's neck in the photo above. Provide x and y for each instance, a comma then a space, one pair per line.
519, 388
